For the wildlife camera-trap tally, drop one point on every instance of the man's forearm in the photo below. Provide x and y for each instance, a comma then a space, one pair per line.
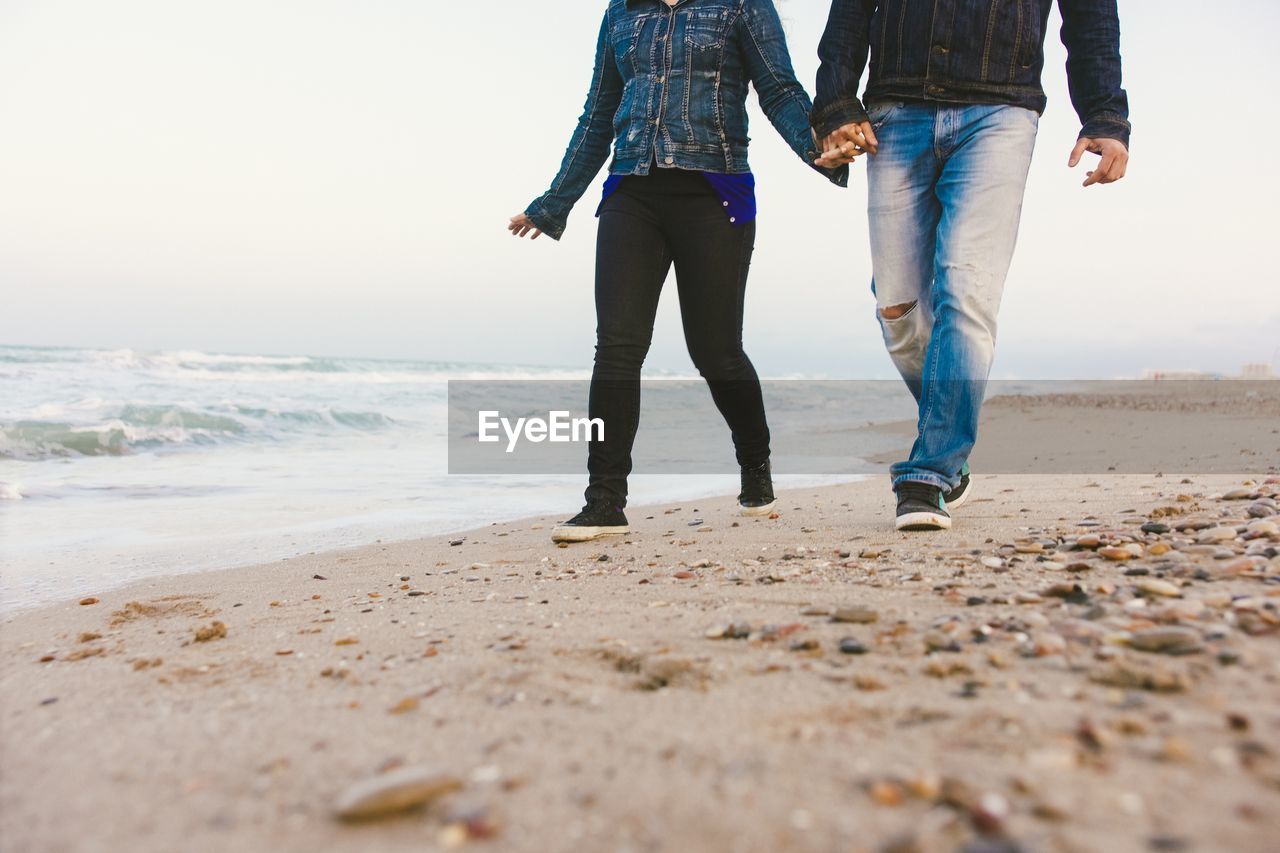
1091, 34
843, 55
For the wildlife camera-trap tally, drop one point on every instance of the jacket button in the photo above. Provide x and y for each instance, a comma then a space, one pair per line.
662, 78
669, 160
733, 219
726, 204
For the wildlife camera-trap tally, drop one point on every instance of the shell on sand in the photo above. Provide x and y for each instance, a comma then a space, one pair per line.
397, 791
1169, 641
1152, 588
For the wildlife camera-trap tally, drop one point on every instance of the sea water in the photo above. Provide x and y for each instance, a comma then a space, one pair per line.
117, 465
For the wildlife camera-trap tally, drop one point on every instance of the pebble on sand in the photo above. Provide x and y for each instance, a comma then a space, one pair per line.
856, 615
1158, 588
852, 646
394, 792
1132, 675
405, 705
729, 631
1168, 641
886, 793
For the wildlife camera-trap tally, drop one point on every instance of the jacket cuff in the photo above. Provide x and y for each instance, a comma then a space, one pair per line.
836, 115
1107, 126
552, 226
838, 176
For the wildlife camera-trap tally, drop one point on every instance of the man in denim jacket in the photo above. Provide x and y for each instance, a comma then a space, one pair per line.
950, 114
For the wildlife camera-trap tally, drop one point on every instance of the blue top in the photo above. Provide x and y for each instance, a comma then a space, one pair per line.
737, 193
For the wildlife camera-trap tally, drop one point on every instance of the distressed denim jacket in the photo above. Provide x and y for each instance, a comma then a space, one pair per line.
969, 52
670, 84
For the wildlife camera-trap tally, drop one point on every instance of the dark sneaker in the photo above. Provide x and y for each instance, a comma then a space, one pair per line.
598, 518
756, 497
920, 507
957, 496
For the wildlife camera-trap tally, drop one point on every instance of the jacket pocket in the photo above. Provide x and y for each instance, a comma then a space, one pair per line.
1030, 39
1006, 23
879, 36
625, 38
706, 29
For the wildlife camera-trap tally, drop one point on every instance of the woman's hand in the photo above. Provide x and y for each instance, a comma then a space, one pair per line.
846, 144
521, 225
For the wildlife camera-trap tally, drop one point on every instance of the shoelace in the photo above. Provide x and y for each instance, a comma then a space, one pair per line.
922, 492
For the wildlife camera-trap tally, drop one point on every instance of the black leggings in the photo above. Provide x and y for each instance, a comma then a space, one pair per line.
647, 224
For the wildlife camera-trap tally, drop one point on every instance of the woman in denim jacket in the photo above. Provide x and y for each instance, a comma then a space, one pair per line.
669, 92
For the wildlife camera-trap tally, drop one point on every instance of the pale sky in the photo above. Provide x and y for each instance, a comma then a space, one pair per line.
333, 178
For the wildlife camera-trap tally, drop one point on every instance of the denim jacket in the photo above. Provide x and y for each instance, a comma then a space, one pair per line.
671, 83
970, 52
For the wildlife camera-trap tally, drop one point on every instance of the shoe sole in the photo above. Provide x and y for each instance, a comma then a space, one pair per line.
923, 521
756, 511
586, 534
963, 497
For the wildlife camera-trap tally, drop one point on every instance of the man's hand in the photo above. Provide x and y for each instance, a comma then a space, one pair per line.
1114, 163
846, 144
521, 225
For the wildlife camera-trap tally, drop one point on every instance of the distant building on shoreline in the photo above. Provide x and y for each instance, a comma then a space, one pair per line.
1257, 370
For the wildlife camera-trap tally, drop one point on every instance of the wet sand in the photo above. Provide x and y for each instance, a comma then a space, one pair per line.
1016, 683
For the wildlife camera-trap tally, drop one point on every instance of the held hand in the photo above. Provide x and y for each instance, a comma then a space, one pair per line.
846, 144
521, 225
1114, 163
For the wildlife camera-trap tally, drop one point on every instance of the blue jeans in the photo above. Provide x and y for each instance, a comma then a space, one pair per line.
944, 200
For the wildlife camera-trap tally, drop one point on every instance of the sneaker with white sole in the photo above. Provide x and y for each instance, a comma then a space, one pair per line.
962, 492
920, 507
756, 497
600, 517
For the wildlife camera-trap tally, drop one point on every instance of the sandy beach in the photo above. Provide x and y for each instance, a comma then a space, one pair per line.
1085, 663
296, 384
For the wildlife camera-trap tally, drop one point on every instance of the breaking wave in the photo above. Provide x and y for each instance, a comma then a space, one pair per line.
134, 429
59, 403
